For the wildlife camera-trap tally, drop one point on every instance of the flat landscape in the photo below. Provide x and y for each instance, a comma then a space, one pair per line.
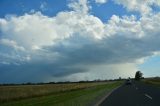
73, 94
152, 81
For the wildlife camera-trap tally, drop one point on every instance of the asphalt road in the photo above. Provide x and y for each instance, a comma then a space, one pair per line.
137, 94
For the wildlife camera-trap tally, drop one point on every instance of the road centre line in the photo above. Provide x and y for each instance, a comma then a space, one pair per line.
148, 96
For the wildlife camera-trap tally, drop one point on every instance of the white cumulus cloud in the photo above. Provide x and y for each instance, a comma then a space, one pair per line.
142, 6
101, 1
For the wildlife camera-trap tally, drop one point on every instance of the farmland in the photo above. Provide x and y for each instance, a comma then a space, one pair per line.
153, 81
79, 94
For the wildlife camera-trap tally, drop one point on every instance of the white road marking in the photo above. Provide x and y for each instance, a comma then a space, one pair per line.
148, 96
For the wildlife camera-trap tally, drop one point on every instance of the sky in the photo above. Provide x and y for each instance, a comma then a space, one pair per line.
73, 40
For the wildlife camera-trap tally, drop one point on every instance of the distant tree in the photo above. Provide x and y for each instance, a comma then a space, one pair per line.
119, 79
138, 75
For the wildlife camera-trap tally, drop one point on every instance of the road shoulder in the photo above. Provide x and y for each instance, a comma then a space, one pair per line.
105, 96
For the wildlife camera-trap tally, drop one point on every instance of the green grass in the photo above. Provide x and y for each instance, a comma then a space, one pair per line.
79, 97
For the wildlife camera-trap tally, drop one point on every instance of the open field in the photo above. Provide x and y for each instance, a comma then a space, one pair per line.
153, 81
79, 94
8, 93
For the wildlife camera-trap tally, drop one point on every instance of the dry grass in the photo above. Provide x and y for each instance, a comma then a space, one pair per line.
78, 96
9, 93
153, 81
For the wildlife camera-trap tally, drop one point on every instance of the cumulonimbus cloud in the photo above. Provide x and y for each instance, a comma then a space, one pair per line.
72, 43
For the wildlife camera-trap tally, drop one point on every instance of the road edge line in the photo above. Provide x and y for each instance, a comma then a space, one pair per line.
108, 94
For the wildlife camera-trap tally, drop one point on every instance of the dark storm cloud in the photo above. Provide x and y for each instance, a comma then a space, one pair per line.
35, 72
112, 50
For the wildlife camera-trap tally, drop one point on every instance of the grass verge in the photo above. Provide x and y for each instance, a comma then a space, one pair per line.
79, 97
153, 81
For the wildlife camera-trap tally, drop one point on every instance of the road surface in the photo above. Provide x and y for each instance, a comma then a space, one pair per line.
137, 94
